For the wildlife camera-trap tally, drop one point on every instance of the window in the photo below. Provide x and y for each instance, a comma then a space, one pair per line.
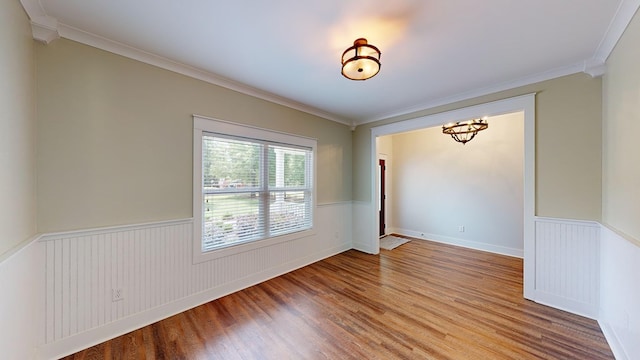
250, 185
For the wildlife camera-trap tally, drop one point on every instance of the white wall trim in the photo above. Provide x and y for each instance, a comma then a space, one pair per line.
567, 265
112, 229
589, 223
621, 234
202, 125
618, 342
570, 282
95, 336
594, 66
575, 307
576, 273
47, 29
619, 315
523, 103
19, 247
21, 311
613, 340
512, 84
43, 31
131, 52
152, 264
475, 245
619, 23
335, 203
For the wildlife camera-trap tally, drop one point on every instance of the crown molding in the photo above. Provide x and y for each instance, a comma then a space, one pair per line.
131, 52
47, 29
527, 80
624, 14
44, 29
594, 67
33, 8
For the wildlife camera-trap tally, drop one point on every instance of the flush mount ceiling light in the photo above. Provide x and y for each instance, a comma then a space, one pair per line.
361, 61
464, 131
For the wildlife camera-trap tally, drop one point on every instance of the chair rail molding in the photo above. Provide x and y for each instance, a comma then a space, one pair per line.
150, 266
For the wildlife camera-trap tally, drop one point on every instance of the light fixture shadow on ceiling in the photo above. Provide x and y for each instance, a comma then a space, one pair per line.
361, 61
384, 26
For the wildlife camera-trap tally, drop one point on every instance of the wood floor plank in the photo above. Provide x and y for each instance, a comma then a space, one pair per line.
422, 300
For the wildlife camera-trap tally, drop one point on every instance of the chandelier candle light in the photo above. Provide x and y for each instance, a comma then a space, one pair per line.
464, 131
361, 61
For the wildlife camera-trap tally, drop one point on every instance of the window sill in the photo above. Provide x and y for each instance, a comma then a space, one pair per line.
200, 257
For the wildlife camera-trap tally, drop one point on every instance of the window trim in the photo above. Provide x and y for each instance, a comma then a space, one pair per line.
202, 124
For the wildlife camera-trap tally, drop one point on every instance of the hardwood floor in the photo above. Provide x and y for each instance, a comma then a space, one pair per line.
422, 300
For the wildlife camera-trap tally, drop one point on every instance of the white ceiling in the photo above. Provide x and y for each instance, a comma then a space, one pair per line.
288, 51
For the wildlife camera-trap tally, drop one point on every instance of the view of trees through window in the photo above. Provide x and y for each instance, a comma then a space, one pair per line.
242, 201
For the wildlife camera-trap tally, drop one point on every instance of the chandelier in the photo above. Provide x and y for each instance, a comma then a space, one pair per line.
361, 61
464, 131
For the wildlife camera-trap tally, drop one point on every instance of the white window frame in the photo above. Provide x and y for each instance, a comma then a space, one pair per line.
202, 124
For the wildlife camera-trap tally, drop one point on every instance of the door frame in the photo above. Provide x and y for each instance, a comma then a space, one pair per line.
382, 191
523, 103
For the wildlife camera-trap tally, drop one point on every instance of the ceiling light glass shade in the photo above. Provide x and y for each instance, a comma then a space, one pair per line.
361, 61
464, 131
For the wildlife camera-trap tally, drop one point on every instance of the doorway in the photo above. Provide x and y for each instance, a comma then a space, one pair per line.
525, 104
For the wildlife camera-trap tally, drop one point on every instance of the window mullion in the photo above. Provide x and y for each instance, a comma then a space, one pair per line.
264, 192
239, 205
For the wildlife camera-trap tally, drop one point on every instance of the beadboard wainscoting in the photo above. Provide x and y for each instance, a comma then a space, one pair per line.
619, 293
151, 268
566, 262
61, 283
567, 258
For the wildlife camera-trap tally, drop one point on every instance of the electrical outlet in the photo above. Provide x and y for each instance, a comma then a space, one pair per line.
117, 294
461, 228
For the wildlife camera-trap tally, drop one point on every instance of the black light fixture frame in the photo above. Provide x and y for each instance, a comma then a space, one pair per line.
465, 131
357, 45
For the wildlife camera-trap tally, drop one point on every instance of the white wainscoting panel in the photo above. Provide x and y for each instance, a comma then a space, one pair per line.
364, 238
567, 265
21, 306
152, 265
620, 293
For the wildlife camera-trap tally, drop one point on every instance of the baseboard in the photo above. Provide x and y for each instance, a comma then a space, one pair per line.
620, 291
462, 243
98, 335
365, 248
614, 342
568, 305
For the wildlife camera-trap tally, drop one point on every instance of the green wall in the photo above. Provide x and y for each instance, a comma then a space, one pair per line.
115, 138
568, 145
17, 127
621, 126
